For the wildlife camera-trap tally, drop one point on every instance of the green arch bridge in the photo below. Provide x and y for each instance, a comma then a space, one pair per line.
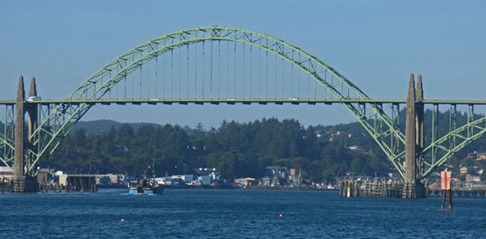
222, 65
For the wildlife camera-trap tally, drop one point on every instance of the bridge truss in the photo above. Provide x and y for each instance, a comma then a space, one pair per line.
227, 65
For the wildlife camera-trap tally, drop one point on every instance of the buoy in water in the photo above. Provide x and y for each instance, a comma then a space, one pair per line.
122, 220
280, 215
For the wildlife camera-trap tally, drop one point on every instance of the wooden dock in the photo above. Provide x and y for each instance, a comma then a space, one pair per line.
374, 188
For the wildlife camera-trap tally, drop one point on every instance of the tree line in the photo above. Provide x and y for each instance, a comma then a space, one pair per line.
236, 149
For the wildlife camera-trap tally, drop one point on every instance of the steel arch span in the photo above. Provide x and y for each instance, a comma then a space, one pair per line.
217, 65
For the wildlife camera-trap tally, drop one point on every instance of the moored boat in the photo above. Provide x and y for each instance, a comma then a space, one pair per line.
144, 187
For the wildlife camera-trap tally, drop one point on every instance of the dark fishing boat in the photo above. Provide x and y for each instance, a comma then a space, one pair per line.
144, 187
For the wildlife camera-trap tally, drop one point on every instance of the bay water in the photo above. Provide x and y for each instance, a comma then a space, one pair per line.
195, 213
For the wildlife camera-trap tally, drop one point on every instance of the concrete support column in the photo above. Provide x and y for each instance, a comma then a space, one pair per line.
21, 183
414, 141
19, 180
32, 110
419, 127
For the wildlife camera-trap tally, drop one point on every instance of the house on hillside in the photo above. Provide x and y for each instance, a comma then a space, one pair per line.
245, 182
481, 156
477, 155
464, 170
357, 149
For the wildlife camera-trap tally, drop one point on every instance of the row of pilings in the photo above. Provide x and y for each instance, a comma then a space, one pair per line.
380, 188
374, 188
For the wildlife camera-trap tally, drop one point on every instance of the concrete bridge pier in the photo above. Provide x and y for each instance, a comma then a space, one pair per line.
21, 183
414, 141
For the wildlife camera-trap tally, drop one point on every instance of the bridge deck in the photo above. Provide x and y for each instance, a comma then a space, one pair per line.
245, 101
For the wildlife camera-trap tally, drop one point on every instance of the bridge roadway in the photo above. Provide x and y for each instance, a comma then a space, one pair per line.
311, 101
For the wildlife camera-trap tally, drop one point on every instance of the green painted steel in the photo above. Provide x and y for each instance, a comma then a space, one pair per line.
7, 147
445, 147
7, 150
64, 116
175, 59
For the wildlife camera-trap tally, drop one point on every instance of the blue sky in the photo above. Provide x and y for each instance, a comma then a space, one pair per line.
375, 44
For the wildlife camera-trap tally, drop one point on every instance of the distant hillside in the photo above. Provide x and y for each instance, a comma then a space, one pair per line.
102, 126
96, 126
